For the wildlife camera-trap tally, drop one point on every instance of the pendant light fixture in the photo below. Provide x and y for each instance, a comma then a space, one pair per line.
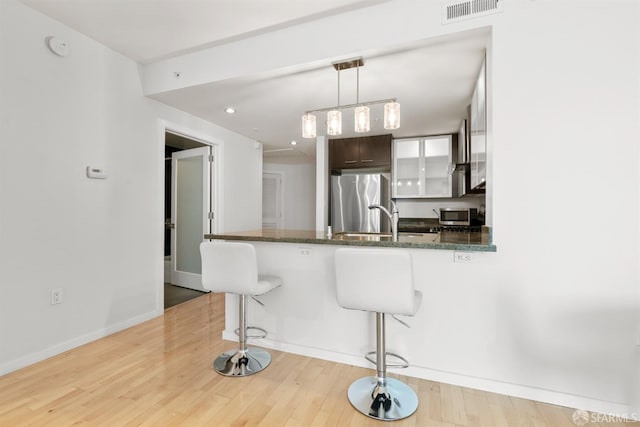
362, 122
334, 117
334, 122
308, 126
391, 115
362, 113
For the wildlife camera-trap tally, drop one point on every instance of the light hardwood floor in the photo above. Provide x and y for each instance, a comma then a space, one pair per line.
160, 373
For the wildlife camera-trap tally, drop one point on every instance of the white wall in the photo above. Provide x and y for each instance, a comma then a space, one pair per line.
554, 314
98, 240
565, 108
299, 194
242, 164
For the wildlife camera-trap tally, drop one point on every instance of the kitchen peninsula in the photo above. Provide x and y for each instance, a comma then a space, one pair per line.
303, 317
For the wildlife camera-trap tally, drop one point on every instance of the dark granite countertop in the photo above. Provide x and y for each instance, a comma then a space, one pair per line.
472, 241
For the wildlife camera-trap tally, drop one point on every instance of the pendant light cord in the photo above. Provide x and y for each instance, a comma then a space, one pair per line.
338, 89
358, 84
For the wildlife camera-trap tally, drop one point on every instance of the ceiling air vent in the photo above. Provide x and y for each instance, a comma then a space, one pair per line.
454, 11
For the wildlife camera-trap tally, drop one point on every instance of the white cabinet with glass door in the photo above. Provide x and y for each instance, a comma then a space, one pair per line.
422, 167
478, 132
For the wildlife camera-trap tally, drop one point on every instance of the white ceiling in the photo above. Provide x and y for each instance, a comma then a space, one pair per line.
148, 30
433, 81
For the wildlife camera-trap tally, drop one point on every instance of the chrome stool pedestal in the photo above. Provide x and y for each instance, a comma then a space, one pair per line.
381, 397
242, 363
245, 361
385, 400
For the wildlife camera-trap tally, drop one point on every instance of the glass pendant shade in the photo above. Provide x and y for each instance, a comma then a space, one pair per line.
334, 122
308, 126
362, 123
391, 115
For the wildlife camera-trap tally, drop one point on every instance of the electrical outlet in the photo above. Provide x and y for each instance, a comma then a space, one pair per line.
56, 296
462, 257
305, 251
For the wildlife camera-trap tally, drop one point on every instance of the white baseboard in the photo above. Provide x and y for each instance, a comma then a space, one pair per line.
39, 356
493, 386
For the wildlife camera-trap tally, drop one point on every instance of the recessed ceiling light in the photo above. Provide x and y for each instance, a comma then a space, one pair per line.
230, 110
294, 143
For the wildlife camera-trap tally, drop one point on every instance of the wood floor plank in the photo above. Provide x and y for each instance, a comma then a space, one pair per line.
452, 401
477, 409
527, 410
556, 416
160, 373
433, 401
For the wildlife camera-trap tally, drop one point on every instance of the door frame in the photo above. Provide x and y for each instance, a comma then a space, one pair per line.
279, 194
217, 225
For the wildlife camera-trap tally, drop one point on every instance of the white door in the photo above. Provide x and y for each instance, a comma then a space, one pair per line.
272, 216
191, 214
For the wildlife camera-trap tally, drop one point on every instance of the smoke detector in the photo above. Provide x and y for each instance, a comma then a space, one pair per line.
58, 46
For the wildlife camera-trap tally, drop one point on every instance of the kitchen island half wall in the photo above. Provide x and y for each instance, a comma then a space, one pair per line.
303, 317
458, 336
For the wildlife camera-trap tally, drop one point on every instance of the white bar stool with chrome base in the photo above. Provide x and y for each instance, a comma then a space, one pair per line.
379, 280
232, 267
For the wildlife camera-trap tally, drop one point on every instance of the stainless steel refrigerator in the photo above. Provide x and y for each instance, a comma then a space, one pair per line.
351, 195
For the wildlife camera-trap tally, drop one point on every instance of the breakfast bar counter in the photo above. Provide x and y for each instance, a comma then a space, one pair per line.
303, 316
446, 240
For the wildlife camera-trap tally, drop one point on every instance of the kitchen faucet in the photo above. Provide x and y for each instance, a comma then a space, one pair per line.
393, 218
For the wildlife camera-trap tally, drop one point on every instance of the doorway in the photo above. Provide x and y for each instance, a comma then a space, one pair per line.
190, 192
272, 199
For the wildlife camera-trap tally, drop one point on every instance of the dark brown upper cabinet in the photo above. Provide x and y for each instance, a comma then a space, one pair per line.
360, 152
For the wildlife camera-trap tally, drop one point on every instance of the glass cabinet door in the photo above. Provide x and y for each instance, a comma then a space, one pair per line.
407, 167
421, 167
479, 132
437, 166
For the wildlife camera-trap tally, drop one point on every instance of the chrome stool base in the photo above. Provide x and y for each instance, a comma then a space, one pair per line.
387, 399
238, 363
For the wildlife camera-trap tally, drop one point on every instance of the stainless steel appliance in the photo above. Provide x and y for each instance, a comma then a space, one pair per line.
351, 196
432, 225
457, 216
461, 177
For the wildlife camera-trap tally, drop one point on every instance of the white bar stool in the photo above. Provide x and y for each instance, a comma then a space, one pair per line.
379, 280
232, 267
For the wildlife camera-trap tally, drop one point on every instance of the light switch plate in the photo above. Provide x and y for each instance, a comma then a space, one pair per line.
96, 173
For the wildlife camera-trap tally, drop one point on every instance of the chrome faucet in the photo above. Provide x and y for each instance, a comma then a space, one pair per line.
393, 218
